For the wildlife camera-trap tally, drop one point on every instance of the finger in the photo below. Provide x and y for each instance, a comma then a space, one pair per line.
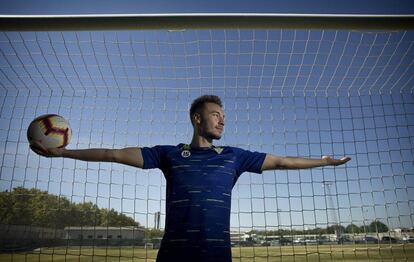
342, 160
37, 150
40, 146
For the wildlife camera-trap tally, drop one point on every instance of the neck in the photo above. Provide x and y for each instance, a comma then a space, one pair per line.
199, 141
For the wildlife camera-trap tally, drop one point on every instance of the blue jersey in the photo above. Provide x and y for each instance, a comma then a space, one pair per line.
198, 198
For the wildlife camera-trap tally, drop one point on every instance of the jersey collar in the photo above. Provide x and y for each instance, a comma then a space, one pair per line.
217, 149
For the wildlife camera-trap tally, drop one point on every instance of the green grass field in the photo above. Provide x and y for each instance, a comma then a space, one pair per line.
396, 252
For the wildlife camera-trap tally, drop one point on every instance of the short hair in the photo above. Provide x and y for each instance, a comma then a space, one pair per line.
198, 103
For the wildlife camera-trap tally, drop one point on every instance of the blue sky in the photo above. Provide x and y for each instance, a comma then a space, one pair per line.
287, 92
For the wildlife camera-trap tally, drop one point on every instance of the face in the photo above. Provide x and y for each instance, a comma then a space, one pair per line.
211, 121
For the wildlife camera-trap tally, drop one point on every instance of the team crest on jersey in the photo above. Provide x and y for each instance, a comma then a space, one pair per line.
218, 150
186, 153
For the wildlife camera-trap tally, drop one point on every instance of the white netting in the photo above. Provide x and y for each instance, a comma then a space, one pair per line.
287, 92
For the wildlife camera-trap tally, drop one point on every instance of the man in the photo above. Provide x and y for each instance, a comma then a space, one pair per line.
200, 178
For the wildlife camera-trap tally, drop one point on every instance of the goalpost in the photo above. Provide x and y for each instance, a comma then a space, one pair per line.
297, 85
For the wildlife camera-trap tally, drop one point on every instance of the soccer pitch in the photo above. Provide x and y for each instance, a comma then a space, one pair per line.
395, 252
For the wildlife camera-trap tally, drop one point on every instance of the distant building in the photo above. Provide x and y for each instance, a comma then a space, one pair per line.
237, 237
27, 237
20, 237
105, 233
30, 232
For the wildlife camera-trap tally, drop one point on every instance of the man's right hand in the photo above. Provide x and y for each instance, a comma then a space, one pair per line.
41, 150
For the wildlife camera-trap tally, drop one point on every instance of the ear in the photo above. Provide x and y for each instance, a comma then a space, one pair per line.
196, 118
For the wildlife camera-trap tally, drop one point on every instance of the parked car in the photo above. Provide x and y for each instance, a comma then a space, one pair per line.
285, 241
299, 241
408, 239
311, 241
344, 239
370, 240
323, 240
387, 240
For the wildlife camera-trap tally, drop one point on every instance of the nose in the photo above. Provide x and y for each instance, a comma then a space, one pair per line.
221, 121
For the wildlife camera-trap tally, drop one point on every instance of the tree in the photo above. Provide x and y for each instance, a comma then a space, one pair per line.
33, 207
378, 226
316, 231
110, 217
352, 228
153, 233
335, 229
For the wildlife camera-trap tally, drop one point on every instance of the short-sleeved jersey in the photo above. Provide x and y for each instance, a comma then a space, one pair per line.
198, 198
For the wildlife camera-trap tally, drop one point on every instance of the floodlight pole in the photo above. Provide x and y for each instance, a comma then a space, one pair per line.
327, 185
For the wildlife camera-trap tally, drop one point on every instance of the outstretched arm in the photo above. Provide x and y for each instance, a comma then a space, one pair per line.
272, 162
129, 156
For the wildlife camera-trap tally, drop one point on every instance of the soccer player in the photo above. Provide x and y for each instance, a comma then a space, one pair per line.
200, 178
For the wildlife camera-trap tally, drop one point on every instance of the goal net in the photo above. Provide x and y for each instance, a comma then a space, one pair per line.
289, 92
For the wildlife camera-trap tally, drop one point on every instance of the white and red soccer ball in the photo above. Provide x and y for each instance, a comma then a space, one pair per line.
52, 131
